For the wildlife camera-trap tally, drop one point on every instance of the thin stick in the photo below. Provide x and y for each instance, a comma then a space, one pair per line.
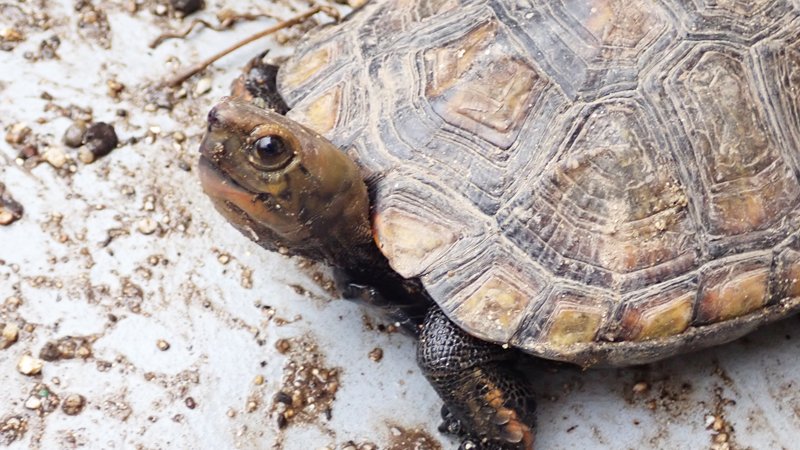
288, 23
224, 24
182, 34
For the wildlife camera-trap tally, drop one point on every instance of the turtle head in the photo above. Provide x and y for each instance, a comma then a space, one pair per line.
281, 184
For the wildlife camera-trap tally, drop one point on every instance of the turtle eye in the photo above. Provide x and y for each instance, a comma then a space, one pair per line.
270, 153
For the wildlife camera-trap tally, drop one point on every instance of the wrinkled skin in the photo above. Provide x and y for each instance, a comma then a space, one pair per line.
290, 190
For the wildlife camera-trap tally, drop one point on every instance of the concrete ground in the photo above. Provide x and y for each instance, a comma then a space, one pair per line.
132, 316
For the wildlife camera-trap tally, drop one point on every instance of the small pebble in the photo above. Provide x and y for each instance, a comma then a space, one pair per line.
73, 137
224, 258
55, 157
178, 136
99, 140
10, 209
9, 335
282, 345
28, 152
247, 278
11, 35
149, 203
162, 345
33, 402
282, 422
18, 133
186, 6
640, 387
83, 352
190, 403
283, 397
147, 226
259, 380
73, 404
203, 86
114, 88
376, 354
28, 365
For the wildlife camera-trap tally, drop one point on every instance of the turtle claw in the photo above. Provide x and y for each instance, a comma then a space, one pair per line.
450, 425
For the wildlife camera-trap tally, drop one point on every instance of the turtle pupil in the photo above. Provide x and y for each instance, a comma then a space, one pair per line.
268, 147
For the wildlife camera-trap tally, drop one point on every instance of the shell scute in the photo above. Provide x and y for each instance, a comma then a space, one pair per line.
592, 48
732, 290
668, 312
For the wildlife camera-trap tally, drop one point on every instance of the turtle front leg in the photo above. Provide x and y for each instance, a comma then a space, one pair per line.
484, 397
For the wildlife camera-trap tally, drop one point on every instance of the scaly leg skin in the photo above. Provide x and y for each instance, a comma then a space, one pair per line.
485, 399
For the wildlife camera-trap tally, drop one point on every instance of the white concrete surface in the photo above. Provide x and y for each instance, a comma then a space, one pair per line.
134, 290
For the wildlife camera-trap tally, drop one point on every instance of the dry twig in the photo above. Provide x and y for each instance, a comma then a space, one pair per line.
180, 78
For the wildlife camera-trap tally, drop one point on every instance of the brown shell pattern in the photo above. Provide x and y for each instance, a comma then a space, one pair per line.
598, 181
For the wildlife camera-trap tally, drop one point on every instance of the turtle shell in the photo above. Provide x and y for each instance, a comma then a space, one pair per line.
602, 182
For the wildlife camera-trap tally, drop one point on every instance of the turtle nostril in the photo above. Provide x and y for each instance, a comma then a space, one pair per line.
213, 118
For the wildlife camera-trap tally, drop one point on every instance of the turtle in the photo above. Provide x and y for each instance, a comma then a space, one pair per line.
602, 183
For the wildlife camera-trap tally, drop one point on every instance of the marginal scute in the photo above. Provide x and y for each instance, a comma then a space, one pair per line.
575, 319
409, 241
667, 314
300, 71
787, 278
498, 305
479, 85
321, 112
732, 291
792, 280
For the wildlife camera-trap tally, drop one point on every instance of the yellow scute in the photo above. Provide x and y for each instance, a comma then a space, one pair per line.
409, 241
